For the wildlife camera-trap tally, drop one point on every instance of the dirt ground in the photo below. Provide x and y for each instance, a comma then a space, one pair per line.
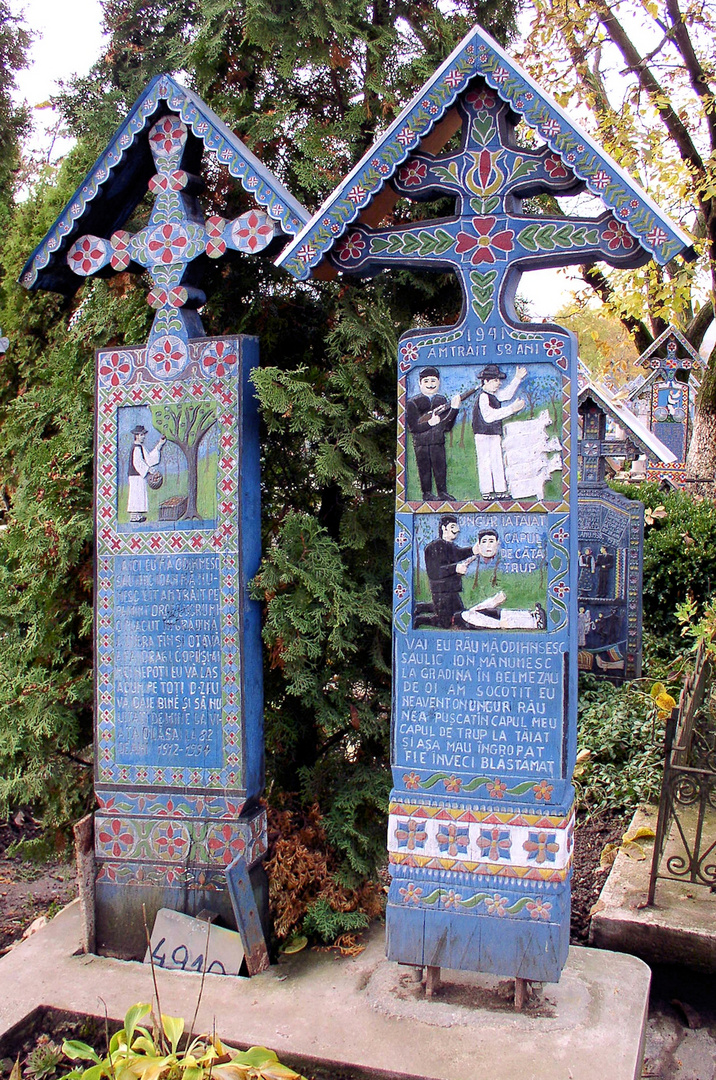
29, 890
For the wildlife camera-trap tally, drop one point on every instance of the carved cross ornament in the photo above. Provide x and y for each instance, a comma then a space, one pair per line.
489, 236
170, 246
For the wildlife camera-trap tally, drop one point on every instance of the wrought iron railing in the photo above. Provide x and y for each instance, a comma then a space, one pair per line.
688, 790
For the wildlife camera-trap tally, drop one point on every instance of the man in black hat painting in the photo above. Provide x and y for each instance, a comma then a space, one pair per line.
140, 462
429, 416
487, 417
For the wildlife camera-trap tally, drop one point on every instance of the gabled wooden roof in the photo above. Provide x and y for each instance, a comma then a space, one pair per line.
638, 432
429, 120
120, 176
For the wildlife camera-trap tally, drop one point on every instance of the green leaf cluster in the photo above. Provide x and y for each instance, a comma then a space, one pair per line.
135, 1054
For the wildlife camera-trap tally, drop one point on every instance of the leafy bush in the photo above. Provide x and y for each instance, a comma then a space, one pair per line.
306, 890
621, 728
679, 553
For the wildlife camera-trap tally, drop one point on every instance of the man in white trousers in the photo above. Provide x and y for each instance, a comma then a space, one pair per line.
487, 417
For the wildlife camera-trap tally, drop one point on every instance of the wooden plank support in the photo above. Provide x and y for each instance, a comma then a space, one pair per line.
247, 918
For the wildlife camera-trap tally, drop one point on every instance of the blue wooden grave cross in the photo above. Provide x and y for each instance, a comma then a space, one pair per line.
179, 766
485, 558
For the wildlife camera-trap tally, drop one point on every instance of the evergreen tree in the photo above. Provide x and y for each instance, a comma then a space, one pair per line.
307, 84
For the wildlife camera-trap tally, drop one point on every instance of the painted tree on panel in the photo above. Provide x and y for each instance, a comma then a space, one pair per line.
185, 425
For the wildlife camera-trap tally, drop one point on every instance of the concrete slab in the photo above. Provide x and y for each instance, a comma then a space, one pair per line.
679, 929
363, 1014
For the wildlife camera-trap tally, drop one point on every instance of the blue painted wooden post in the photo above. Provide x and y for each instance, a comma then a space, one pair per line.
178, 674
485, 585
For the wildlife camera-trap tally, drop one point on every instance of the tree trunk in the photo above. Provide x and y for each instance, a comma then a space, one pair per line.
701, 459
191, 453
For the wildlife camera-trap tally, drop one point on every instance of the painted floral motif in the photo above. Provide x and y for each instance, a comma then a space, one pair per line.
497, 789
409, 352
485, 244
167, 244
494, 843
219, 359
115, 367
481, 99
410, 834
87, 255
225, 844
450, 898
413, 173
167, 136
453, 839
539, 909
116, 837
169, 355
412, 893
555, 167
543, 791
452, 783
541, 847
554, 346
411, 780
252, 231
171, 841
351, 247
618, 236
497, 905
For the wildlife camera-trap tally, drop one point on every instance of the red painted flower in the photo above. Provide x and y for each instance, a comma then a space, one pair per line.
168, 355
497, 789
452, 783
555, 167
116, 366
411, 780
413, 174
481, 99
252, 231
220, 360
116, 837
86, 255
226, 844
543, 790
351, 247
554, 346
485, 243
617, 236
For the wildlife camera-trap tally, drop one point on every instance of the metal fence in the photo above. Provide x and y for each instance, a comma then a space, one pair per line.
688, 790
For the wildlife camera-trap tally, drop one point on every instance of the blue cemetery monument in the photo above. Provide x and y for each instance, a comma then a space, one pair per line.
179, 723
669, 393
611, 549
485, 573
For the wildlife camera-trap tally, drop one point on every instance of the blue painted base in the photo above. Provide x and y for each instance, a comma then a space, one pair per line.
526, 948
535, 952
